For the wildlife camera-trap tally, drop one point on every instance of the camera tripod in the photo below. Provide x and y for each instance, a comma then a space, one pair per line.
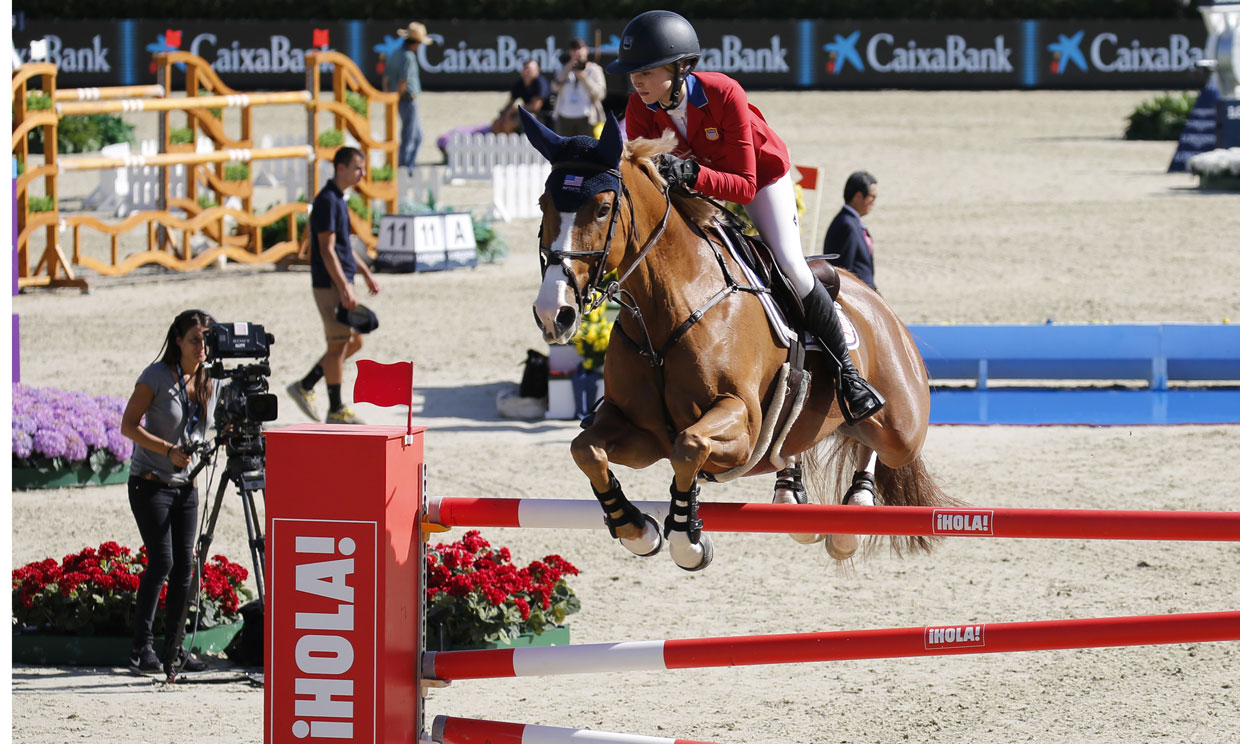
246, 470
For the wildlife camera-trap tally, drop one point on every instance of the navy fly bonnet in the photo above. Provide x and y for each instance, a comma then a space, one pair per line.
581, 167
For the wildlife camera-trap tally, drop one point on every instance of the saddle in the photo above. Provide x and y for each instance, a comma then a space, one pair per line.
757, 256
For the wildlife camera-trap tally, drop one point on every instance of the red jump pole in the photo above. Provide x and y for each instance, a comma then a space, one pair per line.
450, 730
967, 638
1083, 524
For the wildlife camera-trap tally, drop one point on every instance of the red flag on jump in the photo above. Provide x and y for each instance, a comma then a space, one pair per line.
809, 177
321, 37
172, 38
384, 384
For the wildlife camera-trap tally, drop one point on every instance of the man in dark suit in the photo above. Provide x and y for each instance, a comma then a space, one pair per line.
847, 238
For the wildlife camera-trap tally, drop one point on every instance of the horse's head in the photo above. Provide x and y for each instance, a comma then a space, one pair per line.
580, 209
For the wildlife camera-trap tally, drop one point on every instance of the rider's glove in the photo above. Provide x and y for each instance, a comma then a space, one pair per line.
678, 172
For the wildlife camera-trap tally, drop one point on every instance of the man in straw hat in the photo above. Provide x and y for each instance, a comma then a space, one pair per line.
402, 76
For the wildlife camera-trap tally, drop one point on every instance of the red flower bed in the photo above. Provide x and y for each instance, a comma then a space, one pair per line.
94, 592
474, 593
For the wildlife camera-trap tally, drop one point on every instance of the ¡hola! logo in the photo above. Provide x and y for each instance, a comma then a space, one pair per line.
322, 609
963, 522
955, 636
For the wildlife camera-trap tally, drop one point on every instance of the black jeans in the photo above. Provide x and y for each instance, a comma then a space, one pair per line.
167, 519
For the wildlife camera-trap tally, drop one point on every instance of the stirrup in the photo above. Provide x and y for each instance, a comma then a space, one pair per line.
875, 400
691, 526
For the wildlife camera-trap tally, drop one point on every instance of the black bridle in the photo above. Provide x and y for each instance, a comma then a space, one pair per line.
599, 269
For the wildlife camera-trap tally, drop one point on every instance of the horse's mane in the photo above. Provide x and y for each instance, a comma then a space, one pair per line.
641, 153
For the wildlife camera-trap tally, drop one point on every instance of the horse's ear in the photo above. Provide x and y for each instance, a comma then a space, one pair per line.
543, 139
611, 144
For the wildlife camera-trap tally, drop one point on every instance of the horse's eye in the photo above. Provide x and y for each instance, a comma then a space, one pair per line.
604, 209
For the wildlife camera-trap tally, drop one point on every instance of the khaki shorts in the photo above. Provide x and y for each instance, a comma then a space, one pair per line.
328, 299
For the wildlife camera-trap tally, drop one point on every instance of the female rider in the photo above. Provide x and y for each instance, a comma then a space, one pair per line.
727, 150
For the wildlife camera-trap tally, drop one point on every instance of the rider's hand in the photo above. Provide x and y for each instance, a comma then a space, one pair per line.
678, 172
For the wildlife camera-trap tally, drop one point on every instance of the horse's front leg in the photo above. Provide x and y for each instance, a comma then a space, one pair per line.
722, 438
612, 438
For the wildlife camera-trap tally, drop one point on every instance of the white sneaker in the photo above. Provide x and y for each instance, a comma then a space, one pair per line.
305, 400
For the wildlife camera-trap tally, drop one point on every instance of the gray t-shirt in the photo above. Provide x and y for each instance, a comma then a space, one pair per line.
169, 417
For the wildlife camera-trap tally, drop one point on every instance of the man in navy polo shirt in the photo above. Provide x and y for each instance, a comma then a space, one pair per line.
332, 268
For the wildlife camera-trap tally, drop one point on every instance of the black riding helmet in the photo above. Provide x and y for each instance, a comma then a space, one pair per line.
656, 38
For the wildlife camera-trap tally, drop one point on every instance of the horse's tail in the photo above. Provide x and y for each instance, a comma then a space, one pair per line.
827, 470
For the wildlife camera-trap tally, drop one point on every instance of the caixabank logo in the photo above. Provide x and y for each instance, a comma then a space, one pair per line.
927, 54
241, 53
1099, 52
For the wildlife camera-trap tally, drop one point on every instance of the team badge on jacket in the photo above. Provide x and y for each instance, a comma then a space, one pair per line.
712, 134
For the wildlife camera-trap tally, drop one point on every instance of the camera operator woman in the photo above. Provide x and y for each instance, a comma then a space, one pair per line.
174, 396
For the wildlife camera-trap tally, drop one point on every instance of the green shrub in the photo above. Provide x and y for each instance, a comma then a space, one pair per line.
88, 133
331, 138
38, 101
382, 173
216, 112
358, 102
181, 136
277, 232
237, 172
41, 204
206, 202
492, 247
1162, 118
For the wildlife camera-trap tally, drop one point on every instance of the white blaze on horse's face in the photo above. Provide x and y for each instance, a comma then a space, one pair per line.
555, 308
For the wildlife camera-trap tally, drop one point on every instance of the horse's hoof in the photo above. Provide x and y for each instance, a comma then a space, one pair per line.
650, 543
842, 547
692, 557
796, 496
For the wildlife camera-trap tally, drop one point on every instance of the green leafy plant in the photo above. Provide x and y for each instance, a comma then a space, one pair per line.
237, 172
492, 248
94, 593
331, 138
475, 595
206, 202
38, 101
181, 136
359, 206
382, 173
1161, 118
41, 204
88, 133
277, 232
216, 112
357, 102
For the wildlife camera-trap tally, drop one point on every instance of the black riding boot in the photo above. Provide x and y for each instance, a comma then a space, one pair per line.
858, 399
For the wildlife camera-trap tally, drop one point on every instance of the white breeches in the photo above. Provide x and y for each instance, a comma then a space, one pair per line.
774, 212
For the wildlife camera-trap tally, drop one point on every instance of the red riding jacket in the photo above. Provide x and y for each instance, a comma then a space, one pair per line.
737, 150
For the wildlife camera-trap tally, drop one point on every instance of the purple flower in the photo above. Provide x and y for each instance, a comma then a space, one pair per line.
50, 443
22, 444
120, 446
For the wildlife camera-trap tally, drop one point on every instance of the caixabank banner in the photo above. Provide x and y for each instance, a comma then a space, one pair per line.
1102, 54
788, 54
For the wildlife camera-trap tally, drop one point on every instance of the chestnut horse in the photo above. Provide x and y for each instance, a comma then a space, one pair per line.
693, 366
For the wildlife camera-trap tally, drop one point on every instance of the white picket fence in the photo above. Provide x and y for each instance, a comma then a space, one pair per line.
516, 170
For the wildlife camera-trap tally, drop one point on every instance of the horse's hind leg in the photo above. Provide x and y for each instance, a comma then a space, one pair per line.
861, 493
789, 489
612, 438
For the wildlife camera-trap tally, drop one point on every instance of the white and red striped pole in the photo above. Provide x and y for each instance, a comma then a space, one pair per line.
1087, 524
451, 730
966, 638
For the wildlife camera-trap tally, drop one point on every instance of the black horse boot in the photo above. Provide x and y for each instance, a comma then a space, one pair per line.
858, 399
